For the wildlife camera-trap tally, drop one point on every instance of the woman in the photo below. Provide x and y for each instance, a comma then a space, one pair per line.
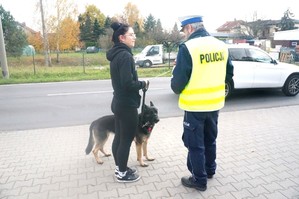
126, 98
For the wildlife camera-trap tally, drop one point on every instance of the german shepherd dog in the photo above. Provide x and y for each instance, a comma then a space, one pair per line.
102, 127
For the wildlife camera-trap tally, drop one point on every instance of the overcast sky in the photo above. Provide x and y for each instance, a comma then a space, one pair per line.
214, 12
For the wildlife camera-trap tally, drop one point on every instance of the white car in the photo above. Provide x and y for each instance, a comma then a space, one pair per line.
255, 68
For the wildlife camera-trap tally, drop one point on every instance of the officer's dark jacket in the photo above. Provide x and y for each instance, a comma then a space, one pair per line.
183, 68
124, 77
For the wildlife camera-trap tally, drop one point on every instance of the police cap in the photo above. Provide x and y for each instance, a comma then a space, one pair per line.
189, 19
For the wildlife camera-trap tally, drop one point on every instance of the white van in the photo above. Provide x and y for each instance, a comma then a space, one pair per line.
151, 55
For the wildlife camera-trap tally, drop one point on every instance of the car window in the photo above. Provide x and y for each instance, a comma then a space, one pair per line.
259, 56
153, 51
238, 54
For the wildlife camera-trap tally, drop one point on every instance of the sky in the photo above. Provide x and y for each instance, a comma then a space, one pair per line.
215, 13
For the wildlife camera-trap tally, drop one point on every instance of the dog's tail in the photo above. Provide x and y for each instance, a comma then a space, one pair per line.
90, 141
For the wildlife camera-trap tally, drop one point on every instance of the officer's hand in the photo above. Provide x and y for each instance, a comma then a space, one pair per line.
146, 86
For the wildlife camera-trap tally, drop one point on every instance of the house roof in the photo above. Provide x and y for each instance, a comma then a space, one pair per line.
224, 35
269, 22
26, 28
229, 25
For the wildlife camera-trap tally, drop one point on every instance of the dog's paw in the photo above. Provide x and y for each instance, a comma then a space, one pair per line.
143, 164
107, 154
99, 161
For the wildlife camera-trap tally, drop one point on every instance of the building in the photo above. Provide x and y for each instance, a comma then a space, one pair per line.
34, 38
247, 32
288, 38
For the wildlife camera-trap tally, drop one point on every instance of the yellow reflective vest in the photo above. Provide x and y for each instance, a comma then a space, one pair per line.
205, 90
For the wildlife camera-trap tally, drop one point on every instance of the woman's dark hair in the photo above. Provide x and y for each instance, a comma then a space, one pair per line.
118, 29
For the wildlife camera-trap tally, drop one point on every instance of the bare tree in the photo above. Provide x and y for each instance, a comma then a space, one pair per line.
64, 9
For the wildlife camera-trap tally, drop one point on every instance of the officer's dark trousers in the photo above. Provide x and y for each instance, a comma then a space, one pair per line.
199, 136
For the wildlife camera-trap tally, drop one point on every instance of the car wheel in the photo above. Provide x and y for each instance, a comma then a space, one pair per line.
147, 63
228, 88
291, 86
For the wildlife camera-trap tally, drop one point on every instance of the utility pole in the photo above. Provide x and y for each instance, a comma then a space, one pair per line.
3, 60
45, 37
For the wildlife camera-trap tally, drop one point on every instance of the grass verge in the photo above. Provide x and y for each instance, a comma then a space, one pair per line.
21, 74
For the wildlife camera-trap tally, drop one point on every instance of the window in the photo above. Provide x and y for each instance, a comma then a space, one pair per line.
154, 50
259, 56
238, 54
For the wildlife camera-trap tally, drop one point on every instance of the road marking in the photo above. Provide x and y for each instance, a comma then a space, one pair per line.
84, 93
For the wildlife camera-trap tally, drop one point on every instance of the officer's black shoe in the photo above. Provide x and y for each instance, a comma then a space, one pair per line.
210, 176
188, 181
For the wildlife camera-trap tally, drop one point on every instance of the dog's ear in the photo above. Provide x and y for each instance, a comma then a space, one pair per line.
151, 103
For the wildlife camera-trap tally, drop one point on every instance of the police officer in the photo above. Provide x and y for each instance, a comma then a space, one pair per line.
202, 67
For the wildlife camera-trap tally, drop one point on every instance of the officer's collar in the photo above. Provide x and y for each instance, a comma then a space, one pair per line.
199, 33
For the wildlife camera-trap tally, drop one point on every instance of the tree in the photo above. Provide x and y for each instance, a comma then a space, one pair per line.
252, 29
149, 23
86, 31
175, 36
105, 40
14, 36
137, 29
97, 29
92, 25
108, 22
94, 13
36, 40
286, 22
131, 14
64, 9
159, 28
70, 34
172, 41
158, 34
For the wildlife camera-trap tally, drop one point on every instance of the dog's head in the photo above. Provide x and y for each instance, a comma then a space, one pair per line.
150, 117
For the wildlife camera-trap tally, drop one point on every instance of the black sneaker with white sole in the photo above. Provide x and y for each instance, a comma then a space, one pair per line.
130, 170
128, 177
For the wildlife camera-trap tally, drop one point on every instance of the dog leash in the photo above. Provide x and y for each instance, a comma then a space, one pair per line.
142, 108
143, 103
143, 98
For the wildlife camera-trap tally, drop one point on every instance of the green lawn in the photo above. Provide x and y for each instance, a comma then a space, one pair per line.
71, 67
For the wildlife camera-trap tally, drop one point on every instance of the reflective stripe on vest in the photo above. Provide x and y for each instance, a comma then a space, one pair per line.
205, 90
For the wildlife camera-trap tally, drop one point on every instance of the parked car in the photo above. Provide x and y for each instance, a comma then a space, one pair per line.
255, 68
92, 49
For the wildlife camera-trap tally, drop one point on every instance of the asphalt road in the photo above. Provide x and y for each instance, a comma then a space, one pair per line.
45, 105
